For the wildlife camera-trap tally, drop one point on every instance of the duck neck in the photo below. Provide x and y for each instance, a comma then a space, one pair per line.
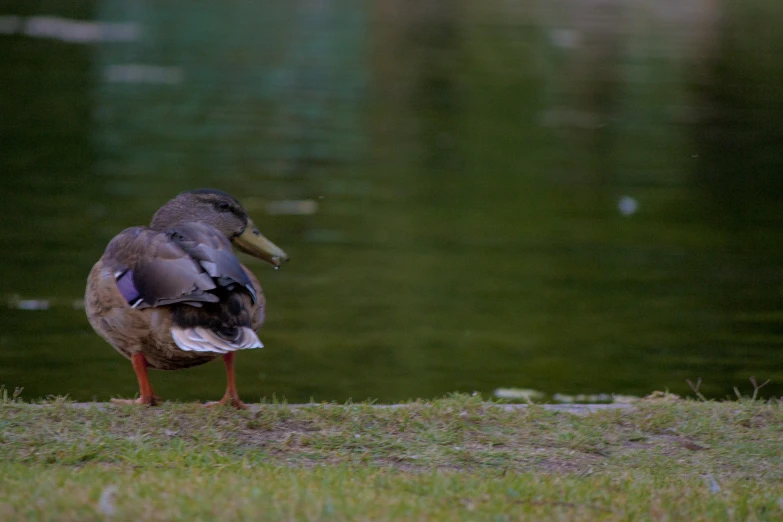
171, 215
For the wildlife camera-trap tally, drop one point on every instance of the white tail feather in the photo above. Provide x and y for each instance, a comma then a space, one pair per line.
203, 340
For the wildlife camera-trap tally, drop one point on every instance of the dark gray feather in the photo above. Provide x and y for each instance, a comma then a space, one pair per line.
213, 252
170, 276
184, 264
163, 273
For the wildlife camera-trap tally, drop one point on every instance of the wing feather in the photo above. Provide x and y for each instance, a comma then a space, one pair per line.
213, 252
180, 265
188, 265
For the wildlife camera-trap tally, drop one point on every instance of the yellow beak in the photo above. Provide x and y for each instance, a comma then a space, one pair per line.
252, 242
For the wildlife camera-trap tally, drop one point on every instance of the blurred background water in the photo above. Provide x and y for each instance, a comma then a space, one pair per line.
574, 196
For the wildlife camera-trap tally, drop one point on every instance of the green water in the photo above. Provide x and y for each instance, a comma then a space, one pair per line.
467, 164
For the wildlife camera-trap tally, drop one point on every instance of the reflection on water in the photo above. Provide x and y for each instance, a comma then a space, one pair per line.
572, 197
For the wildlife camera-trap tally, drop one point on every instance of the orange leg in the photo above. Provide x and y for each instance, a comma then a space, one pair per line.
231, 396
146, 396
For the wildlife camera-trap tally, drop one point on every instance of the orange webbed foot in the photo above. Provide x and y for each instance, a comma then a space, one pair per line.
227, 401
144, 401
147, 396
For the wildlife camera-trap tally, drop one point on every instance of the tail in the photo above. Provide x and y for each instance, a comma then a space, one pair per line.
199, 339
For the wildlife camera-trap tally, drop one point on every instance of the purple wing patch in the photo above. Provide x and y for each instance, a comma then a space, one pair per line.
127, 288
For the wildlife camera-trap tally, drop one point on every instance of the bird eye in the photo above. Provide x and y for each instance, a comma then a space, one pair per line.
223, 206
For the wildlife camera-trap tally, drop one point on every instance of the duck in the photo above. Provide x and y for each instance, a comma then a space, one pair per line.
174, 295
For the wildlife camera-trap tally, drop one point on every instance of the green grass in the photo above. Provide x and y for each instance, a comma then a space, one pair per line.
456, 458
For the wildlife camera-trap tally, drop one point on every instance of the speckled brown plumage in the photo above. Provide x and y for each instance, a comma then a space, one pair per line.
174, 295
146, 331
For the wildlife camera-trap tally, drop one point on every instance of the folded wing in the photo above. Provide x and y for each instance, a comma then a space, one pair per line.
213, 252
184, 265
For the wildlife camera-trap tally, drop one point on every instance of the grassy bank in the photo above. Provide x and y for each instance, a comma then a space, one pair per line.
456, 458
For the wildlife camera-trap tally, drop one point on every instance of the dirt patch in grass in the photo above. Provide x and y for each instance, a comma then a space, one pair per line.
457, 458
458, 433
